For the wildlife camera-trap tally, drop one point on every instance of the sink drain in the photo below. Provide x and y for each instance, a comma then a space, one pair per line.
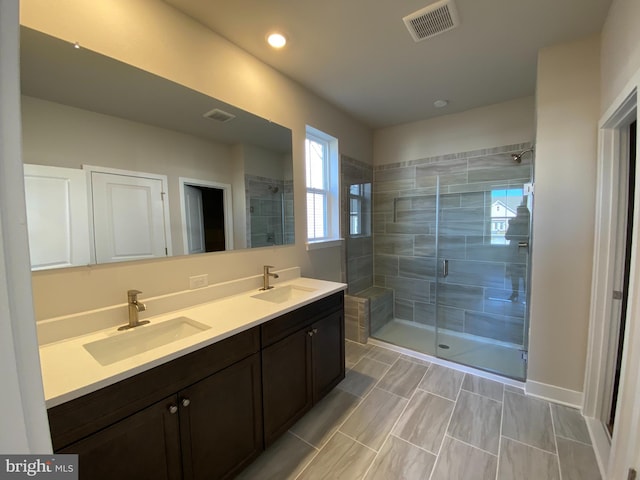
442, 345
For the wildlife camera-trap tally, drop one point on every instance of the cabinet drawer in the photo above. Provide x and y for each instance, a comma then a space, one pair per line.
291, 322
83, 416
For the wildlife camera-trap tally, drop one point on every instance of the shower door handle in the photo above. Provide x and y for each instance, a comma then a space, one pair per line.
445, 268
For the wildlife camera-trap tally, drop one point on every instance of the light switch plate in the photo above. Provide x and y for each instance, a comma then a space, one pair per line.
198, 281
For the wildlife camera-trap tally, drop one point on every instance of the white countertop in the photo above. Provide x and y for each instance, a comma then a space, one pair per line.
69, 371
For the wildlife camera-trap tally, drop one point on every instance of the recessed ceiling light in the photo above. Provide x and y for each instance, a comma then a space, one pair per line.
440, 103
76, 45
277, 40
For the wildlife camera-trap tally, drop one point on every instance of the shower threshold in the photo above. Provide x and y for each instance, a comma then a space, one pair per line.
493, 357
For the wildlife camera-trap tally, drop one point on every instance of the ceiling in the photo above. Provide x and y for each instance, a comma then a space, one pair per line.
51, 69
358, 54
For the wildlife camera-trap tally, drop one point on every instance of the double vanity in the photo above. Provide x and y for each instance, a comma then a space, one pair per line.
199, 392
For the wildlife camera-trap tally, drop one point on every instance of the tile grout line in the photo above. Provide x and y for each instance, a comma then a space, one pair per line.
455, 404
555, 439
573, 440
396, 422
361, 401
408, 358
531, 446
504, 390
413, 444
484, 396
386, 349
308, 463
437, 395
475, 447
373, 360
358, 442
303, 440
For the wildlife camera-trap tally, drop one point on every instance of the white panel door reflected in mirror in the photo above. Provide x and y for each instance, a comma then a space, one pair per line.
57, 217
130, 218
81, 107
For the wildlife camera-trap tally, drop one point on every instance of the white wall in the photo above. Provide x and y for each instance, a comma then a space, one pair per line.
620, 50
504, 123
567, 106
63, 136
155, 37
23, 421
265, 163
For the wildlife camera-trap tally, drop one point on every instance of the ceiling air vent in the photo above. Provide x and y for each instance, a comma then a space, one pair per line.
219, 115
432, 20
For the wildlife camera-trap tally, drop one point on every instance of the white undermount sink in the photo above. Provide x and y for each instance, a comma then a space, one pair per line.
142, 339
284, 293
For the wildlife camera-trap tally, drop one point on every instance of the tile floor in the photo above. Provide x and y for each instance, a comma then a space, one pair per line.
396, 417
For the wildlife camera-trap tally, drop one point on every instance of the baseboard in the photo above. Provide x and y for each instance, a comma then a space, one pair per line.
563, 396
601, 443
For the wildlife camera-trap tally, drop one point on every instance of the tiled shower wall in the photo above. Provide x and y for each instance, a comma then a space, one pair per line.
366, 307
475, 297
266, 211
359, 249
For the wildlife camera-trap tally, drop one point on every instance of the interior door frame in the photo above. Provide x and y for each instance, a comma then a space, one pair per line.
129, 173
228, 209
615, 455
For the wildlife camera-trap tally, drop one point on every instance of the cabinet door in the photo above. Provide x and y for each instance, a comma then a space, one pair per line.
286, 379
221, 421
328, 354
144, 446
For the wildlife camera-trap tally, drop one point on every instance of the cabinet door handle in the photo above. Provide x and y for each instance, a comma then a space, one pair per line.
315, 330
310, 333
185, 402
173, 409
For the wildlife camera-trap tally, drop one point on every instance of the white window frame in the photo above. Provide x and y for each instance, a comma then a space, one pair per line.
330, 190
363, 209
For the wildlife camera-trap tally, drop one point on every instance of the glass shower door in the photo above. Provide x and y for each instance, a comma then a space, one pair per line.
481, 285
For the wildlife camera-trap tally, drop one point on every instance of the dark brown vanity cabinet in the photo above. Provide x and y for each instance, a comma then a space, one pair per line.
222, 430
207, 414
302, 360
143, 445
199, 425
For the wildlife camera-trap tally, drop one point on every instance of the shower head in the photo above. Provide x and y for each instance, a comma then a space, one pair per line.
517, 157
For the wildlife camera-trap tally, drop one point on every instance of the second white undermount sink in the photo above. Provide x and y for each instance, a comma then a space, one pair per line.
142, 339
284, 293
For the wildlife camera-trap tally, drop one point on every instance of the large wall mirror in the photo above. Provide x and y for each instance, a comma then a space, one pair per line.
124, 165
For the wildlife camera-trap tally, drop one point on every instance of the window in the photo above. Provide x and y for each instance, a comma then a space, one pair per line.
322, 186
504, 205
359, 208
